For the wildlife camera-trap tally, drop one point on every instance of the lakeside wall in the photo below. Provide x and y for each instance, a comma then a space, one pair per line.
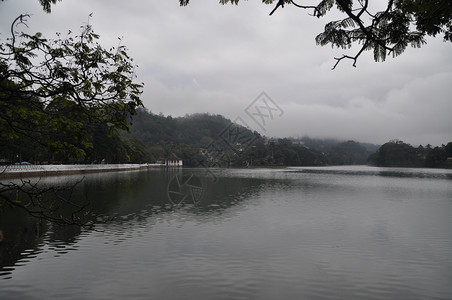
20, 171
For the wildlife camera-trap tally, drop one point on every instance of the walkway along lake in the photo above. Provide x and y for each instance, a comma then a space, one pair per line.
29, 170
295, 233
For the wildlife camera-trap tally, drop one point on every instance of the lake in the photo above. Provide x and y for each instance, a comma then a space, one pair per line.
296, 233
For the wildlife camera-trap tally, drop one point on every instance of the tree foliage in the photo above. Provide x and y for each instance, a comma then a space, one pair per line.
348, 153
385, 31
55, 95
399, 154
51, 91
46, 4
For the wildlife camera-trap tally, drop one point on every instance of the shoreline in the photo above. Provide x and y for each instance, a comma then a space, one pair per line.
24, 171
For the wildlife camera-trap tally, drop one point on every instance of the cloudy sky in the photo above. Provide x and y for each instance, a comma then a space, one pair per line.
207, 57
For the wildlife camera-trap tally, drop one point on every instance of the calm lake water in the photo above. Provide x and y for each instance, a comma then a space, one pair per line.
295, 233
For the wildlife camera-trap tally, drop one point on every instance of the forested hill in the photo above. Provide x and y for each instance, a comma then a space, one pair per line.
195, 129
215, 140
187, 136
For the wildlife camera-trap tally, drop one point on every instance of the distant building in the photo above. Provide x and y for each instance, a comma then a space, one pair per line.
173, 161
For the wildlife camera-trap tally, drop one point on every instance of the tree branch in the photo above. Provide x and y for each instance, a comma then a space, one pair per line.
306, 7
369, 34
354, 58
280, 3
40, 206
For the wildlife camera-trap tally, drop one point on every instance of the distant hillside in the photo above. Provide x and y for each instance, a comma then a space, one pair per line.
339, 152
213, 140
316, 143
396, 153
326, 144
195, 129
189, 135
210, 138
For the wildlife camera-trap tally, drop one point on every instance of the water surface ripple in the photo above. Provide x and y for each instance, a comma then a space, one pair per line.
295, 233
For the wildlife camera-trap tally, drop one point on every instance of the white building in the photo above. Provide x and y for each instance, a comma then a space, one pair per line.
173, 161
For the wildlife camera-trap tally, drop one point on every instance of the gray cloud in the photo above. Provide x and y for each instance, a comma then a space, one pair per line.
212, 58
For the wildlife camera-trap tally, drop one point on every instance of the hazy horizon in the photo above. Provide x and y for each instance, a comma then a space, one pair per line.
304, 135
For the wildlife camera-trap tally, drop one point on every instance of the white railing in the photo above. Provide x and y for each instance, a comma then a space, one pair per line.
46, 168
18, 167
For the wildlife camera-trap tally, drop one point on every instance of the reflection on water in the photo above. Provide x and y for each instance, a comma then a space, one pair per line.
372, 171
315, 233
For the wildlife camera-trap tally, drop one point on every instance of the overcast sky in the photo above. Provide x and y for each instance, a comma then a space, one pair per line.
207, 57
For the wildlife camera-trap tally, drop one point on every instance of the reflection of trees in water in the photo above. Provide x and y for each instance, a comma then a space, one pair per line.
120, 203
22, 236
231, 189
26, 237
377, 171
114, 198
133, 201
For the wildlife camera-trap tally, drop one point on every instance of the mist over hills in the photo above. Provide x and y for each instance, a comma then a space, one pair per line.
187, 136
204, 139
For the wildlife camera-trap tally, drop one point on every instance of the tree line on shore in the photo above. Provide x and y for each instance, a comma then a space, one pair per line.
399, 154
195, 139
199, 139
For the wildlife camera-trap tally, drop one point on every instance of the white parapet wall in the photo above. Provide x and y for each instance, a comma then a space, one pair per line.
42, 170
